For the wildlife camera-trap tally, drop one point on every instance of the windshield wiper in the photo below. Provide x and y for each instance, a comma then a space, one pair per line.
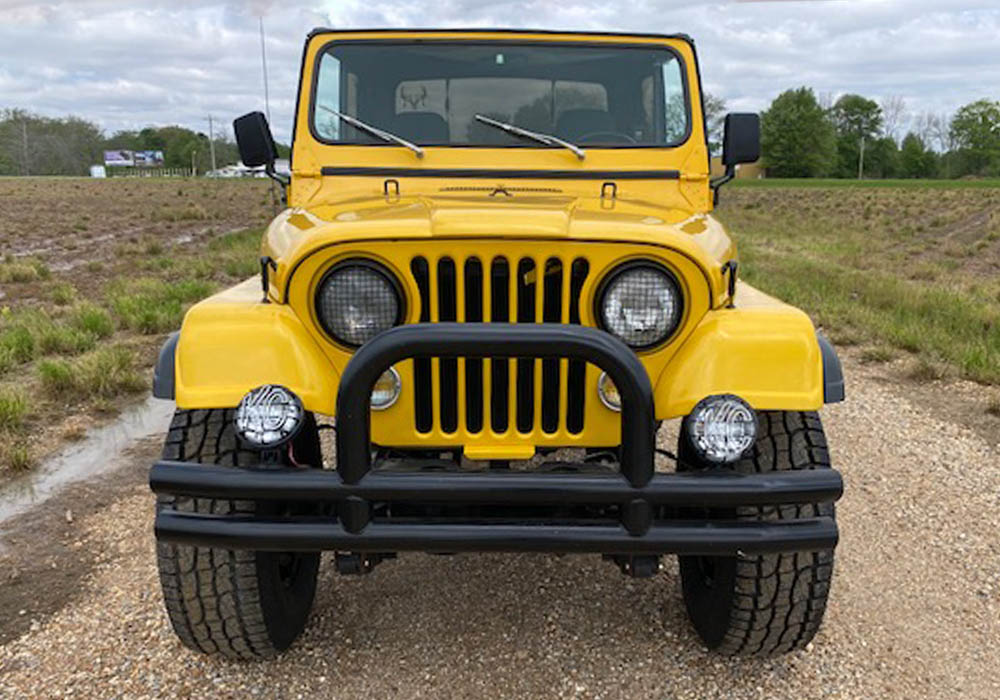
375, 131
547, 139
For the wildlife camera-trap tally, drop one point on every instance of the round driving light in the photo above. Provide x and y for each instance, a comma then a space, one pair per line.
608, 392
357, 300
721, 428
386, 390
640, 303
268, 416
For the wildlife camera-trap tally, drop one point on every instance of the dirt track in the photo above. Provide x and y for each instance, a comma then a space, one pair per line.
915, 610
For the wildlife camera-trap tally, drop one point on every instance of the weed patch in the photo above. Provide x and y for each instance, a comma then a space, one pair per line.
62, 293
13, 409
152, 306
926, 371
17, 345
190, 212
879, 353
17, 456
31, 333
92, 319
24, 270
102, 374
56, 339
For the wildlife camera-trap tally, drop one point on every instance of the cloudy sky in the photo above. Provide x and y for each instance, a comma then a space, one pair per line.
129, 63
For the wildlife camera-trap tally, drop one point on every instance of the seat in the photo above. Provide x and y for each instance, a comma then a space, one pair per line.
422, 127
576, 123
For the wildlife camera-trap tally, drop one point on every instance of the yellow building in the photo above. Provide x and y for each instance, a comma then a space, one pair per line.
747, 170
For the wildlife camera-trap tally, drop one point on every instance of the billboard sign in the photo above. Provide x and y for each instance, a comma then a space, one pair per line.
149, 159
119, 158
142, 159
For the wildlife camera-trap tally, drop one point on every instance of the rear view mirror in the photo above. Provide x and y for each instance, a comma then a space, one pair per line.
741, 143
254, 139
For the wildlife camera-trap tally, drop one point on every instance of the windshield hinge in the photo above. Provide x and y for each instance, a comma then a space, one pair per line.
693, 177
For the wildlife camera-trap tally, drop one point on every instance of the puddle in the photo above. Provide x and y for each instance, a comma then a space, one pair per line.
98, 453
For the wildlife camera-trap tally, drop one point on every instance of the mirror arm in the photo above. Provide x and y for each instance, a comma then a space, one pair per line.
271, 173
718, 182
282, 180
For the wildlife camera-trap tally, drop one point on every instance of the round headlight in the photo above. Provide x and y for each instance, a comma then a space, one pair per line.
641, 304
721, 428
357, 300
268, 416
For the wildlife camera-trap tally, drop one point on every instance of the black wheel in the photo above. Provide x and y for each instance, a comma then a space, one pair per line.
772, 603
235, 603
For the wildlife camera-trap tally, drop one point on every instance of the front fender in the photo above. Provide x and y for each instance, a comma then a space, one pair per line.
763, 350
231, 343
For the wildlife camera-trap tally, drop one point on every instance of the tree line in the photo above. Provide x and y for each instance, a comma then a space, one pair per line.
805, 135
31, 144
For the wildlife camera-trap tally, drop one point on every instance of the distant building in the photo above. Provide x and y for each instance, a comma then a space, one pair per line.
281, 166
754, 171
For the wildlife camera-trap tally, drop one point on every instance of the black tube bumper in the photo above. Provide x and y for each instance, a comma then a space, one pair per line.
639, 532
639, 512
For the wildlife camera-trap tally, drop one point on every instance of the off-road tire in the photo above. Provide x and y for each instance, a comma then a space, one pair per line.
234, 603
756, 605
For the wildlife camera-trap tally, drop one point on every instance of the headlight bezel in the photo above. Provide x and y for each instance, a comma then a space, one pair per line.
373, 265
628, 266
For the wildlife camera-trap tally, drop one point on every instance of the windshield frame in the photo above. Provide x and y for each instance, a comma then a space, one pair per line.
513, 41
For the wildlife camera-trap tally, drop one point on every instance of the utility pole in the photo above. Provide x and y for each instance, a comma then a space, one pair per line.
263, 63
24, 144
861, 159
211, 141
267, 104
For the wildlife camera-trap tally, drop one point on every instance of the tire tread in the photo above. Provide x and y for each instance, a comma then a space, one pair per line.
212, 596
779, 599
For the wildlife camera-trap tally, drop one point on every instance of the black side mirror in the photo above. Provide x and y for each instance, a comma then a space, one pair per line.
254, 139
741, 143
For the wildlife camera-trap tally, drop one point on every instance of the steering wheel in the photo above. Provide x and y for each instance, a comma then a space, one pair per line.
615, 137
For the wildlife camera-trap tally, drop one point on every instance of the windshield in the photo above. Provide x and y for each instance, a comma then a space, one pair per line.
430, 93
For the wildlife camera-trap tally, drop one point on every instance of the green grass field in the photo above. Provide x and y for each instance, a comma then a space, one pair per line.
910, 271
114, 268
818, 183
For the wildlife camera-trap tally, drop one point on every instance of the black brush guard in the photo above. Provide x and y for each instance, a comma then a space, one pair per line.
640, 497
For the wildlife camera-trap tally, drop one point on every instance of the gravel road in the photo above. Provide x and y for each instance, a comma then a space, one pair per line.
915, 610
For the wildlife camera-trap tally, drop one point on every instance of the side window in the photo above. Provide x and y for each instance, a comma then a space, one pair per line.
328, 94
675, 104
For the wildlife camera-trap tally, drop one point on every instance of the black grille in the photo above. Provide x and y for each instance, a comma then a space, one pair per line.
488, 293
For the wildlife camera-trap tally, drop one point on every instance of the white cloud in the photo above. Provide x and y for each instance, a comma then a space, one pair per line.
128, 64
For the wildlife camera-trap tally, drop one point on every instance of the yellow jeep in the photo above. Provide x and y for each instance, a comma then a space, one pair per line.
496, 275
